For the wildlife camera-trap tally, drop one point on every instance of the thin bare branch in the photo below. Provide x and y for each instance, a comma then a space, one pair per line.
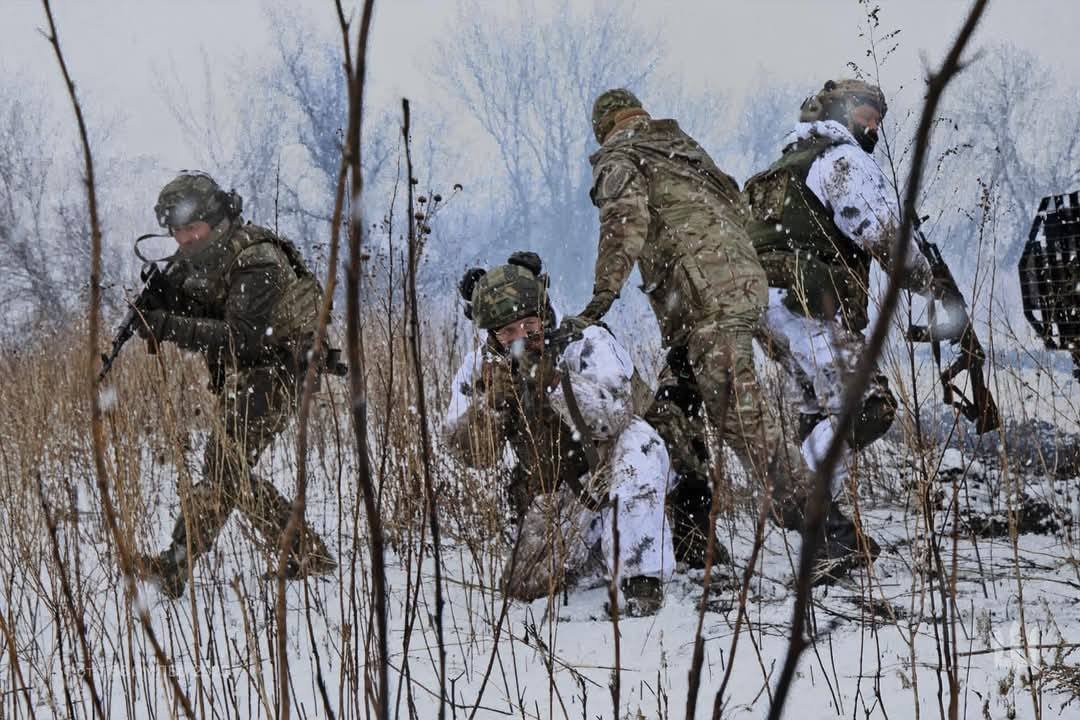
96, 421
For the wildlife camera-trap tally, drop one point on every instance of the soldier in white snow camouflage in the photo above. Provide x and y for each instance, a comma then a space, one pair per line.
820, 215
510, 390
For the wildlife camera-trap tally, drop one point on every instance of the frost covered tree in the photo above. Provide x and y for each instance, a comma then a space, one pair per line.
274, 130
527, 77
1017, 121
44, 235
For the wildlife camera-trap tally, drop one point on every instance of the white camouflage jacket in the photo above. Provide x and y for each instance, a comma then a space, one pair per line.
850, 184
600, 372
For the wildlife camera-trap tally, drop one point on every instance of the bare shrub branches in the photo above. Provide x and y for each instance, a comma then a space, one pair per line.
96, 421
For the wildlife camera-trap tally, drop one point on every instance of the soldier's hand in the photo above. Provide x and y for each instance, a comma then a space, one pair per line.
539, 369
574, 325
955, 321
598, 306
498, 383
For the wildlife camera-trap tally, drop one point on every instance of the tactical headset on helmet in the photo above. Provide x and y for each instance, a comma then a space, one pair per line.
506, 293
194, 196
606, 108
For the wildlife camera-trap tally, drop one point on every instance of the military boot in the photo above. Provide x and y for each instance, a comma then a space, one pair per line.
690, 502
844, 548
644, 595
165, 571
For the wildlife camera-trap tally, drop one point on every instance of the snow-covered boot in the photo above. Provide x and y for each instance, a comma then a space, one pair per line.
644, 595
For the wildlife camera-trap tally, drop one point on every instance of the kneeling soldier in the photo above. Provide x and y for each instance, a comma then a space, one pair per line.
585, 456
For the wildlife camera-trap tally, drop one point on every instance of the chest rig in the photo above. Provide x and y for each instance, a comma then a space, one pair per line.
799, 245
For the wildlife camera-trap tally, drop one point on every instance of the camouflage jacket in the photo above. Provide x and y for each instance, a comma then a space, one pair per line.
665, 205
246, 299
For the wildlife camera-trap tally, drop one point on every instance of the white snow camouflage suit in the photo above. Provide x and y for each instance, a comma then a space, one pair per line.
563, 542
819, 354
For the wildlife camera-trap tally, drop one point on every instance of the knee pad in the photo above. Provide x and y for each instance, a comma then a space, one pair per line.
807, 423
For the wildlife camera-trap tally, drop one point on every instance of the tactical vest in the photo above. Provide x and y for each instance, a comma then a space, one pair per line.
294, 318
799, 245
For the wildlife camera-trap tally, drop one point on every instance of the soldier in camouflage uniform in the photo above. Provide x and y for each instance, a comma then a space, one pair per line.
243, 298
820, 215
666, 206
509, 391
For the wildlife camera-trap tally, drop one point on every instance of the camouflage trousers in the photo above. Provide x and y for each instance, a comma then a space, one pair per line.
254, 406
563, 543
714, 372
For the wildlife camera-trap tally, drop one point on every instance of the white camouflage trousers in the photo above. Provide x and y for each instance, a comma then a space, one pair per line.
563, 543
818, 356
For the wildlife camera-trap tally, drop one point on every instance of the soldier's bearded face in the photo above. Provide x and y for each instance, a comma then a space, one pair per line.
192, 237
865, 120
529, 329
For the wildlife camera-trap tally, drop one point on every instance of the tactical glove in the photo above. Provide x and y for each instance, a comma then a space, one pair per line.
498, 384
539, 369
574, 325
598, 306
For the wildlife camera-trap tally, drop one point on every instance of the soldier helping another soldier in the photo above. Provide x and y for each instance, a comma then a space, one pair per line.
244, 299
666, 206
563, 404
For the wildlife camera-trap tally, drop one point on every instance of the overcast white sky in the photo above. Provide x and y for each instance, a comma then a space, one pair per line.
114, 46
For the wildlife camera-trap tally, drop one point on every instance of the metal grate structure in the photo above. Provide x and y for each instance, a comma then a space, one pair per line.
1050, 273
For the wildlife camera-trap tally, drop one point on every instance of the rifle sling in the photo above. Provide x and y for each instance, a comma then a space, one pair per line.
587, 446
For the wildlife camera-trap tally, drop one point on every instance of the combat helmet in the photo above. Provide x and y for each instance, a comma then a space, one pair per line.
607, 107
837, 98
194, 196
506, 293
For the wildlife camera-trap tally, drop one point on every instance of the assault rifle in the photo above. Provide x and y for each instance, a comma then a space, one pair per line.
958, 331
153, 296
556, 339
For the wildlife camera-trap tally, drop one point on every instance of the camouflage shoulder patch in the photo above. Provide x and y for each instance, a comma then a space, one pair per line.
610, 181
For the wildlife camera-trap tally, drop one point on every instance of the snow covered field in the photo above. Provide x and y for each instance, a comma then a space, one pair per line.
877, 652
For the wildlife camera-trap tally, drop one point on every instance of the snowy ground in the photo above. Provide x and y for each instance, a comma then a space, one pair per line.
876, 652
878, 639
